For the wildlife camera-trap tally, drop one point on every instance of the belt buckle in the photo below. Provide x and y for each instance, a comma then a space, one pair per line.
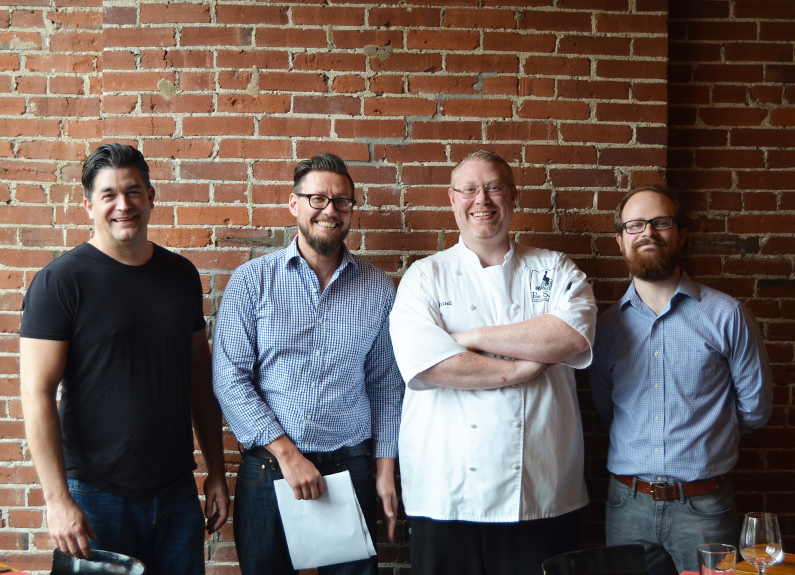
662, 491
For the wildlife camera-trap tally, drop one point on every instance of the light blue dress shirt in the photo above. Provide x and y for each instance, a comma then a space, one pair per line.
319, 367
676, 390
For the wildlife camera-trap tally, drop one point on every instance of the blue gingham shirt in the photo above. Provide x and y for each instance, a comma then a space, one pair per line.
319, 367
676, 390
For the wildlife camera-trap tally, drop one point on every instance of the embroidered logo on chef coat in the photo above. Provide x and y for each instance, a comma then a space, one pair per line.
541, 284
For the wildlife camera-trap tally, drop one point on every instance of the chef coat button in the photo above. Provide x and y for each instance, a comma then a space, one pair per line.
472, 469
473, 426
516, 467
472, 307
517, 425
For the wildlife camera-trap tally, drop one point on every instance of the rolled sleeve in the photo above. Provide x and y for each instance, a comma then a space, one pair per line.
575, 305
750, 372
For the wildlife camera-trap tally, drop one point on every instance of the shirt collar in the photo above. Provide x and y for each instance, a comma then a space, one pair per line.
293, 255
686, 287
473, 258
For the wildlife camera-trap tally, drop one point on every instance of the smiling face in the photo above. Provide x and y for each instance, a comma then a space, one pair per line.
651, 255
120, 206
322, 231
482, 218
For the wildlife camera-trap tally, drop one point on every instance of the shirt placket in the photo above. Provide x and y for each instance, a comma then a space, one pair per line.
314, 377
657, 395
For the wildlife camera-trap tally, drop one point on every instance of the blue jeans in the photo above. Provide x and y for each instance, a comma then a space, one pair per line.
165, 532
259, 535
670, 530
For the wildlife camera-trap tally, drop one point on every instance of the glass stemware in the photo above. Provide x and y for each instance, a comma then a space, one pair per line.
760, 541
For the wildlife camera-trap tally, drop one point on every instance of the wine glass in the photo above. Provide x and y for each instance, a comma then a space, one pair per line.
760, 541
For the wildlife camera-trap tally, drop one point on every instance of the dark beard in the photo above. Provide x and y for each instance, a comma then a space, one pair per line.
324, 247
655, 267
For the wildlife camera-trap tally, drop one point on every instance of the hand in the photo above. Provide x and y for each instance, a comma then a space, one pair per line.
385, 487
70, 528
302, 475
216, 502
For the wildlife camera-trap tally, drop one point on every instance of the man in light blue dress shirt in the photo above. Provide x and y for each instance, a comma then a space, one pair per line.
679, 372
305, 374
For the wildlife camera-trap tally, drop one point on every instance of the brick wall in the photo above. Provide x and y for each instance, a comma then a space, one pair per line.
586, 98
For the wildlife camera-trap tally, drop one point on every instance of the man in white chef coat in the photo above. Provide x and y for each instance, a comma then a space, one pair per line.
486, 335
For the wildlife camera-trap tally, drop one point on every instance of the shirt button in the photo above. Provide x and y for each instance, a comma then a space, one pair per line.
657, 450
656, 353
656, 418
317, 353
319, 321
308, 417
659, 479
656, 386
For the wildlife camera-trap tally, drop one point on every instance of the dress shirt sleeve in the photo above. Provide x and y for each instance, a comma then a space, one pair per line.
599, 374
418, 338
750, 370
384, 388
234, 360
574, 304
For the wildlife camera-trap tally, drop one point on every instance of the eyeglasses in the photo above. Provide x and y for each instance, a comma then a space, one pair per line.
492, 190
319, 202
638, 226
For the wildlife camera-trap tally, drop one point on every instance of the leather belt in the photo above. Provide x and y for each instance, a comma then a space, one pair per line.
662, 491
347, 452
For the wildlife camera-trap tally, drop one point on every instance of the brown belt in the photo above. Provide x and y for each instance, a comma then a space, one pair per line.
662, 491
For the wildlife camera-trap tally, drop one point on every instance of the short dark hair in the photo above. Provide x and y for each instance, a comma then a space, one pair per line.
679, 212
321, 163
483, 155
112, 156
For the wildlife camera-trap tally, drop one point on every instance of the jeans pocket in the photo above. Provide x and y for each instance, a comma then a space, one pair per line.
81, 487
711, 505
253, 471
617, 494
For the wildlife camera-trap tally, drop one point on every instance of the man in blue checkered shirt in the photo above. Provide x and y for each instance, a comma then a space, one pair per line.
304, 371
679, 371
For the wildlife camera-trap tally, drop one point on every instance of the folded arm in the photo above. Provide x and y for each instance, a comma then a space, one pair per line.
41, 367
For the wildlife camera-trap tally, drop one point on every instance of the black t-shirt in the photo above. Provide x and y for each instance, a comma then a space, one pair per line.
125, 409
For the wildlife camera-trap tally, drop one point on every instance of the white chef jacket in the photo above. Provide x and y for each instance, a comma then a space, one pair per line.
501, 455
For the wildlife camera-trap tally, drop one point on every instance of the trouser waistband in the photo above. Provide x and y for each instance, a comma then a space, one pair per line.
347, 452
662, 491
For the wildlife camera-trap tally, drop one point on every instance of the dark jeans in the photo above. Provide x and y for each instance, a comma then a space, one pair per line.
259, 535
165, 532
469, 548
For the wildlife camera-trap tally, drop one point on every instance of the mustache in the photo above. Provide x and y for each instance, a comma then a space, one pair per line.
649, 241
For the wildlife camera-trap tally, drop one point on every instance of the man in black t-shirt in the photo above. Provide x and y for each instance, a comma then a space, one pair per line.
118, 322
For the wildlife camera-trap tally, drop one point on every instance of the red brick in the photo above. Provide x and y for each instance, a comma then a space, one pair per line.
213, 170
297, 127
764, 9
351, 151
151, 37
383, 17
218, 125
251, 14
176, 192
348, 84
442, 40
13, 106
327, 16
588, 45
288, 37
44, 150
257, 149
561, 110
732, 116
165, 59
557, 66
120, 15
407, 62
632, 157
383, 84
215, 36
271, 217
517, 130
631, 23
766, 94
407, 153
515, 42
213, 215
750, 73
471, 107
602, 5
636, 69
355, 39
557, 154
240, 60
479, 18
378, 129
330, 62
776, 31
293, 81
557, 21
587, 89
501, 86
539, 87
335, 105
66, 85
650, 47
174, 13
438, 84
386, 106
588, 178
245, 104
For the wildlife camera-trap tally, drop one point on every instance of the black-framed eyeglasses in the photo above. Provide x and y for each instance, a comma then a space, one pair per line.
319, 202
492, 190
639, 226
